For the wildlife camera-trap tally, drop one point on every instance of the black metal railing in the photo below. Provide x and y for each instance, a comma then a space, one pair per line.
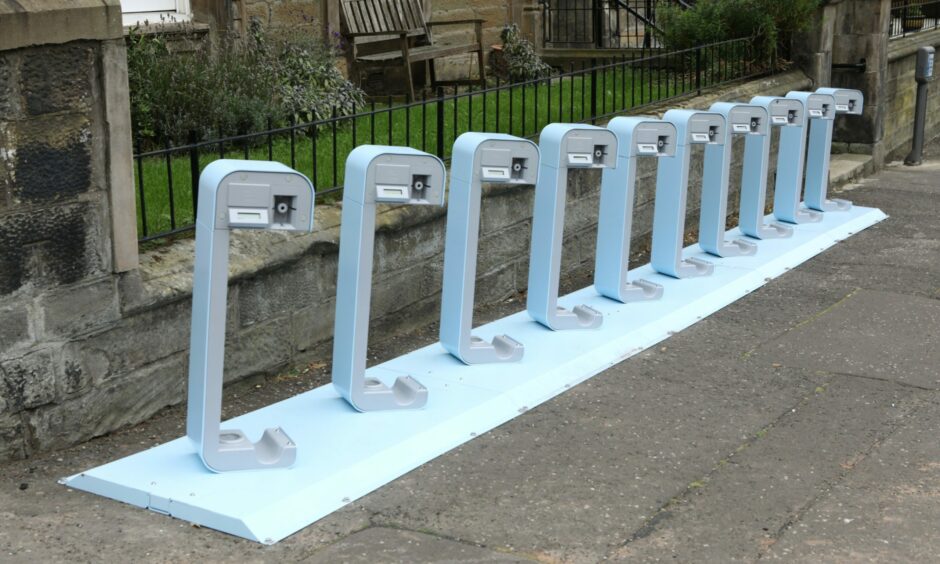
912, 16
167, 177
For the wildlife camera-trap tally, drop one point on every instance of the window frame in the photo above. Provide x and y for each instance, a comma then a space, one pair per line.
133, 16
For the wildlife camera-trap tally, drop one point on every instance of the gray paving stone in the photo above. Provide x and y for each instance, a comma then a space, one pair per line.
575, 476
377, 545
886, 510
871, 333
737, 511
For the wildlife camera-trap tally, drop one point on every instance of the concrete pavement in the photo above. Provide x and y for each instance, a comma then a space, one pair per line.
799, 423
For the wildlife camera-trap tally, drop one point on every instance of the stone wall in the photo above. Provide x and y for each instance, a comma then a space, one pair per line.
901, 91
98, 351
64, 144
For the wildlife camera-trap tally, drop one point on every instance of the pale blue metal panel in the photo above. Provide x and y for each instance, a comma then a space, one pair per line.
636, 137
374, 173
818, 151
672, 185
477, 158
562, 147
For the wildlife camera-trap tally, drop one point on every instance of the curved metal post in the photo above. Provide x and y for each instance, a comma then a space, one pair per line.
562, 147
782, 113
750, 122
476, 158
791, 163
818, 152
374, 174
672, 184
234, 195
636, 136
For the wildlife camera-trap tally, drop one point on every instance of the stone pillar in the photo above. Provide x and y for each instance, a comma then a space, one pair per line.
813, 47
849, 33
861, 33
67, 207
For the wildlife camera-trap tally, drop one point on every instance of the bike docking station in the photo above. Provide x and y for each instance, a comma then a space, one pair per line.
741, 120
848, 102
781, 113
562, 147
234, 195
672, 186
343, 440
477, 158
636, 137
374, 173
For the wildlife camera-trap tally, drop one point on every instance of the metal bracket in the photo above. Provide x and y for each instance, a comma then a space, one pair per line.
745, 120
819, 150
374, 173
477, 158
672, 185
636, 137
234, 195
562, 147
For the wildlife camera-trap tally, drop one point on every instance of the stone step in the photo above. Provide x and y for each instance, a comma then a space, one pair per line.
848, 167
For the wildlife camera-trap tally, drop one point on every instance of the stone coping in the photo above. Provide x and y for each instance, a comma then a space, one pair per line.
165, 273
907, 46
24, 23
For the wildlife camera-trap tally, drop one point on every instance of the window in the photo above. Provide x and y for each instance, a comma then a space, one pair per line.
154, 11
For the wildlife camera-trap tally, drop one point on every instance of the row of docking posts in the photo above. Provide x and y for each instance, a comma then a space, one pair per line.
266, 195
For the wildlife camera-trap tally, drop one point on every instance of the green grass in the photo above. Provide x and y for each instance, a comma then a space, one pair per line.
521, 110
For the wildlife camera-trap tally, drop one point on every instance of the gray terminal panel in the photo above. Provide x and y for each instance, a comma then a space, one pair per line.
264, 200
512, 166
747, 119
405, 179
820, 106
706, 128
786, 112
848, 101
654, 139
588, 149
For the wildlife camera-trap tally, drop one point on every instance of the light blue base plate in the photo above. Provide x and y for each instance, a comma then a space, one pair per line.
343, 455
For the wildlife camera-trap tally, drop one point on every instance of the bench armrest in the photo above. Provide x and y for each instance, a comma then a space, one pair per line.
457, 22
396, 32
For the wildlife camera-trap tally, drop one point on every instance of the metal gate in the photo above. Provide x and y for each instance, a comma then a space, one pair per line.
599, 24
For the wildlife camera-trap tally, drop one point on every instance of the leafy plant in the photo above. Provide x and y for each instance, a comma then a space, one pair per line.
519, 61
771, 22
180, 87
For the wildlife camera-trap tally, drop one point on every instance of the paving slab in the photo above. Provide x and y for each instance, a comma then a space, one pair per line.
575, 475
871, 333
885, 510
380, 544
736, 512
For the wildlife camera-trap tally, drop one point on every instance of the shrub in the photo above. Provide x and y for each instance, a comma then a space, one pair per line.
771, 22
181, 86
519, 61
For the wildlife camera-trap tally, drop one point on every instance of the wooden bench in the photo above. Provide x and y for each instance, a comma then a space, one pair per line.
393, 31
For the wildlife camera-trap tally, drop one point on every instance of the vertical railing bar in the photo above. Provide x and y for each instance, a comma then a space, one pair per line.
333, 114
440, 122
194, 172
293, 142
169, 183
143, 197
